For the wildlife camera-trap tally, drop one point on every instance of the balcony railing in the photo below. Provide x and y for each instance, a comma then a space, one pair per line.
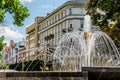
49, 37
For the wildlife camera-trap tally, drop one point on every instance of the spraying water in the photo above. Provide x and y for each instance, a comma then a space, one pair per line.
87, 23
87, 48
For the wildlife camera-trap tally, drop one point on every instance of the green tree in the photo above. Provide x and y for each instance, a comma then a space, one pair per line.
18, 12
16, 9
1, 56
2, 44
113, 32
104, 11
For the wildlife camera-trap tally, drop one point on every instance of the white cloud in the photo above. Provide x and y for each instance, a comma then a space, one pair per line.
9, 33
23, 1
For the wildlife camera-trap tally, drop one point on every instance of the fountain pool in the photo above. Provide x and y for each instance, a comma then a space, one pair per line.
87, 48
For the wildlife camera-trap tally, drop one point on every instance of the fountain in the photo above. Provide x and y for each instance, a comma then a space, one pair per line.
87, 48
79, 55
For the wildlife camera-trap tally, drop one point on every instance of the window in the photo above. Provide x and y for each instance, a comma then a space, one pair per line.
43, 25
55, 18
58, 16
82, 22
56, 29
70, 23
70, 11
61, 14
81, 25
50, 21
65, 24
51, 31
64, 14
70, 28
47, 24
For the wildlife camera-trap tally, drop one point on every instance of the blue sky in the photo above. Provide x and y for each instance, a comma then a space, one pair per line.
36, 8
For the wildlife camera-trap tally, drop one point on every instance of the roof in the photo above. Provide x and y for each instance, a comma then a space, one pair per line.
75, 2
30, 28
6, 49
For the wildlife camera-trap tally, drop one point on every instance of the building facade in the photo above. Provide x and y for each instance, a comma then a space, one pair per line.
46, 32
12, 52
21, 51
9, 53
32, 39
68, 17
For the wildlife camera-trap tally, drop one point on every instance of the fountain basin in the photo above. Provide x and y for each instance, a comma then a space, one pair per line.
87, 73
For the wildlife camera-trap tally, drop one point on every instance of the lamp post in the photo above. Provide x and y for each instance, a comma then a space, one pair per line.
23, 62
44, 60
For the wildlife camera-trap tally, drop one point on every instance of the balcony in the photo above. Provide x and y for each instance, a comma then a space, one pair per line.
51, 36
70, 29
64, 30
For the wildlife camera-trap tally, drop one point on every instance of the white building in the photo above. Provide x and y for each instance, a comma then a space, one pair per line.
66, 18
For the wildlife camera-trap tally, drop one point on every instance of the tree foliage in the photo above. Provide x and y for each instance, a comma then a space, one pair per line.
2, 44
16, 9
104, 11
113, 32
